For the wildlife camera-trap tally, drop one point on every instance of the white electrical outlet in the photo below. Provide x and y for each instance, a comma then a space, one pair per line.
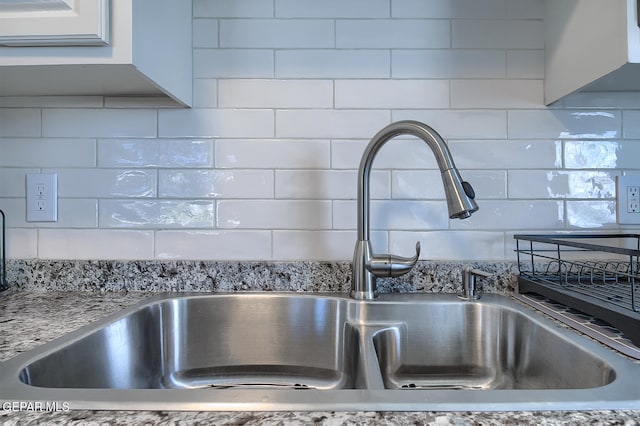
628, 200
42, 197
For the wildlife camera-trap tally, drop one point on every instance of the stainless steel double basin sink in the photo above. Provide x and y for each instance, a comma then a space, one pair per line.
292, 351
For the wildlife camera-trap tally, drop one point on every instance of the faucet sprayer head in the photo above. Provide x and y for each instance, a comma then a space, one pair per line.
460, 195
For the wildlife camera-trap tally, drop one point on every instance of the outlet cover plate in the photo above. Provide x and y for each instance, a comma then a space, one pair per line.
627, 189
42, 197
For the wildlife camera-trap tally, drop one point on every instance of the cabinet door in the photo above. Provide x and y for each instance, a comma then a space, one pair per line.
591, 45
54, 22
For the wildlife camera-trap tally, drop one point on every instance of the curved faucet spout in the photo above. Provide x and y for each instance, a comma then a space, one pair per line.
460, 201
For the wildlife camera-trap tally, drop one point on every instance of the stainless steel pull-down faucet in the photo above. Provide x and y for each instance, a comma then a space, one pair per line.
367, 266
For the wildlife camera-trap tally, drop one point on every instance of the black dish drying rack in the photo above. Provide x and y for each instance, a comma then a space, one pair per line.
597, 274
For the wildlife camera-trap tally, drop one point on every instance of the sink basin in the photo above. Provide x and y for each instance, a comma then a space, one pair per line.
210, 342
293, 351
482, 346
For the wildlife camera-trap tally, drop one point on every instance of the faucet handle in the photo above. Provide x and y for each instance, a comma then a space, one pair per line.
402, 265
469, 275
389, 265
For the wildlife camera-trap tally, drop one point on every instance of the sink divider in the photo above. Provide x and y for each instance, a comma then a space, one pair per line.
369, 375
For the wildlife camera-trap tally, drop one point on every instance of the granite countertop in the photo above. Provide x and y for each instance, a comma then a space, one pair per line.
29, 318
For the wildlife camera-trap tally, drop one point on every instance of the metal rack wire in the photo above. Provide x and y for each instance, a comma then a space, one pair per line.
598, 274
3, 260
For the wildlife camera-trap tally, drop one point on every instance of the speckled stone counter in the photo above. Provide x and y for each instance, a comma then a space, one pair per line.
163, 276
44, 305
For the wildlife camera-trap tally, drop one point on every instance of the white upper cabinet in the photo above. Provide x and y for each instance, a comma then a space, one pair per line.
591, 45
54, 22
96, 47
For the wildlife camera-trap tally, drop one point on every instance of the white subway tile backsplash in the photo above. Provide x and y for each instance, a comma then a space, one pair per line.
156, 214
427, 184
449, 8
516, 214
14, 210
497, 34
205, 93
272, 154
321, 245
22, 243
76, 213
487, 183
48, 152
213, 245
525, 9
327, 184
72, 213
417, 184
612, 154
525, 64
222, 123
20, 122
251, 93
392, 94
104, 123
95, 244
507, 154
401, 153
460, 124
205, 33
106, 183
232, 8
394, 215
233, 63
277, 33
566, 124
496, 94
386, 33
8, 179
287, 94
332, 63
274, 214
346, 154
328, 123
631, 124
447, 63
591, 214
332, 9
51, 101
449, 245
561, 184
602, 100
215, 183
168, 153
